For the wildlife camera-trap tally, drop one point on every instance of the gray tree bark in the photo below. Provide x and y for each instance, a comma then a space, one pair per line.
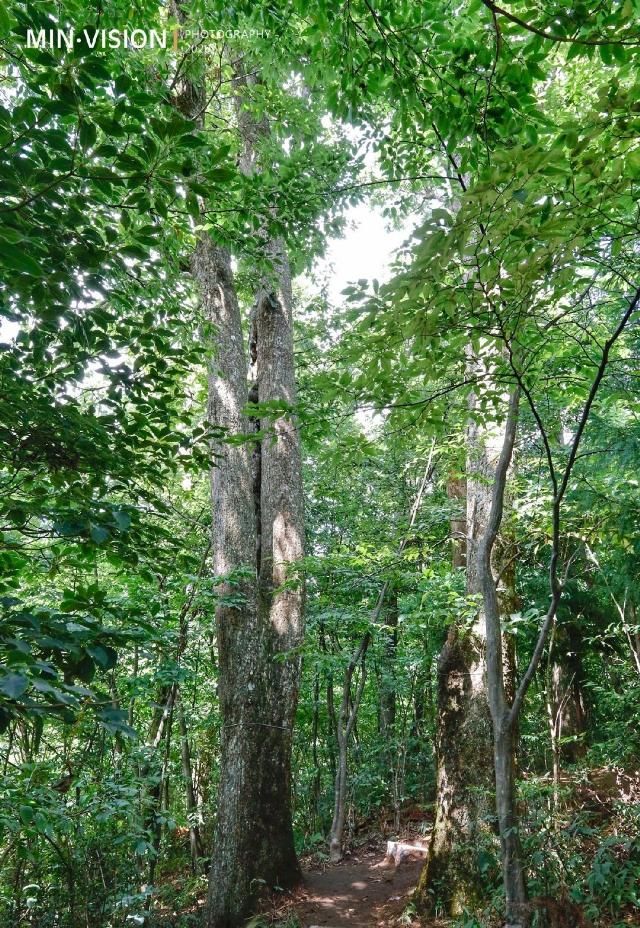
258, 538
258, 622
504, 727
343, 723
451, 877
195, 840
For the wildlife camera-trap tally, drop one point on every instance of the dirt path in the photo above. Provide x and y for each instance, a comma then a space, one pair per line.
360, 892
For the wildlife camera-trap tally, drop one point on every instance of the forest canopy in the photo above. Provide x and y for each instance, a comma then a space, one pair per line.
296, 563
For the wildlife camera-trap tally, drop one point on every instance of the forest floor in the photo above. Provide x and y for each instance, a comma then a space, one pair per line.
365, 891
362, 891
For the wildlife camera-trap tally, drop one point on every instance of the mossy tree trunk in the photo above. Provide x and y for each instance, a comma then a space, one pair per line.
452, 878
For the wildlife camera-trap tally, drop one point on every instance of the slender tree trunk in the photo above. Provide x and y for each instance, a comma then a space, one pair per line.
343, 724
134, 677
504, 714
632, 634
195, 841
160, 736
339, 803
316, 782
518, 913
387, 678
504, 719
387, 685
553, 719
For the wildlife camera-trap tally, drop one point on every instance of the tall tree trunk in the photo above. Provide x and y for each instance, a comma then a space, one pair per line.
253, 844
504, 720
257, 537
451, 877
281, 593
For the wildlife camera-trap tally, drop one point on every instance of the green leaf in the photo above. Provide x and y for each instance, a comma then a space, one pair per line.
122, 84
122, 519
19, 260
98, 533
14, 685
27, 815
606, 54
115, 721
85, 669
11, 235
87, 134
104, 656
6, 20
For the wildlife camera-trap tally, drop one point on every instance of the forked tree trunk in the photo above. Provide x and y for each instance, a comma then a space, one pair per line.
240, 679
258, 536
256, 623
504, 711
